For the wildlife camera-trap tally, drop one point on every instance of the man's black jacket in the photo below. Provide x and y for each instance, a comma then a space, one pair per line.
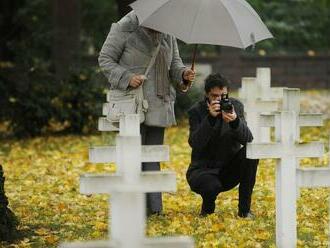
213, 141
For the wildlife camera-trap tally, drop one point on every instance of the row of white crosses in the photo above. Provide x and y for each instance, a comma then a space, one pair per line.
258, 97
128, 187
286, 148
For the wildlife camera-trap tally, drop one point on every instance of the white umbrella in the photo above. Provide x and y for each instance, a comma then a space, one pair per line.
218, 22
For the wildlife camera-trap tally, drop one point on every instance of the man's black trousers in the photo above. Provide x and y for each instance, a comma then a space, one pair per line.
239, 170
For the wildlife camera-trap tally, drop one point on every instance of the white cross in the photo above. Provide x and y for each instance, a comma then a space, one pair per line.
253, 106
291, 102
314, 177
128, 187
266, 92
259, 97
287, 150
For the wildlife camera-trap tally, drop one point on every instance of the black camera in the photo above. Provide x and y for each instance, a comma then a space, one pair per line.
225, 104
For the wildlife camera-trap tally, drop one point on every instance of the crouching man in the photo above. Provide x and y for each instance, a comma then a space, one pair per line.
218, 137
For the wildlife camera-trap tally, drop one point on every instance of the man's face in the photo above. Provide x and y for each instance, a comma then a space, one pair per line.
215, 93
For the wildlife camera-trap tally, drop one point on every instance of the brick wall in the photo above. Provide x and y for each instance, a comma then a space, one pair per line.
303, 72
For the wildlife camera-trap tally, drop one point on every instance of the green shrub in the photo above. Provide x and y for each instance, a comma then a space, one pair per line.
37, 102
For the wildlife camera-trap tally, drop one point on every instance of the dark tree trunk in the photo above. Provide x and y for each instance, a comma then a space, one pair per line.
66, 16
123, 7
9, 30
8, 221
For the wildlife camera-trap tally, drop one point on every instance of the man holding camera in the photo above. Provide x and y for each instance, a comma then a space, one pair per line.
218, 136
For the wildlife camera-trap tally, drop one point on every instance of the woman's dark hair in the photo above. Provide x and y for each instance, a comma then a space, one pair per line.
215, 80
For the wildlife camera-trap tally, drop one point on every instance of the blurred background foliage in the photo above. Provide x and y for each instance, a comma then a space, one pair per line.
49, 79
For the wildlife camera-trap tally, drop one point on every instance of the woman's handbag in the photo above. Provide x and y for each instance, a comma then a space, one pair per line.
130, 101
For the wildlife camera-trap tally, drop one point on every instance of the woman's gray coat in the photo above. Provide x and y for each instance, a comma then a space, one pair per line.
127, 51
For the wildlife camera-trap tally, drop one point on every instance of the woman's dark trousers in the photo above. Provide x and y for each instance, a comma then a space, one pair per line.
152, 136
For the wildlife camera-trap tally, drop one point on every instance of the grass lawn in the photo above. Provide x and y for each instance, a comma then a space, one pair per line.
42, 184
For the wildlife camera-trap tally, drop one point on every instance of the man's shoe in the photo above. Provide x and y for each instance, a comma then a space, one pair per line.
204, 213
246, 215
207, 208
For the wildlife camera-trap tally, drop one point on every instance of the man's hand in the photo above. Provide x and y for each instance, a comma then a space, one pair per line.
229, 117
137, 80
214, 108
189, 75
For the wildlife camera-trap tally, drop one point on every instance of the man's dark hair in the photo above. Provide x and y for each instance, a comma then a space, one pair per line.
215, 80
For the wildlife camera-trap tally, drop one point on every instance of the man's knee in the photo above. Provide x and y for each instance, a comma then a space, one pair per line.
210, 189
252, 164
242, 155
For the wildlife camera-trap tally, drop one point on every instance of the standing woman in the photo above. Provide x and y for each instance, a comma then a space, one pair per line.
124, 57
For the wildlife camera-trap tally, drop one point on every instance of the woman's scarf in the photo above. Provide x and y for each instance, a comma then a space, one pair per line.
161, 69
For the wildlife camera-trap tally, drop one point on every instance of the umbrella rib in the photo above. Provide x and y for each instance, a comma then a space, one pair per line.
251, 10
233, 20
159, 7
255, 13
195, 19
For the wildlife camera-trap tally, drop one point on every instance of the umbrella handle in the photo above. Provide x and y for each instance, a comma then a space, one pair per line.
194, 58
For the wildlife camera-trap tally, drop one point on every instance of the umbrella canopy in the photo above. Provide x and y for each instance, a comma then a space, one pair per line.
218, 22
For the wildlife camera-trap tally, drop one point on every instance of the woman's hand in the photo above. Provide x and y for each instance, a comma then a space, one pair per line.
136, 81
189, 75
